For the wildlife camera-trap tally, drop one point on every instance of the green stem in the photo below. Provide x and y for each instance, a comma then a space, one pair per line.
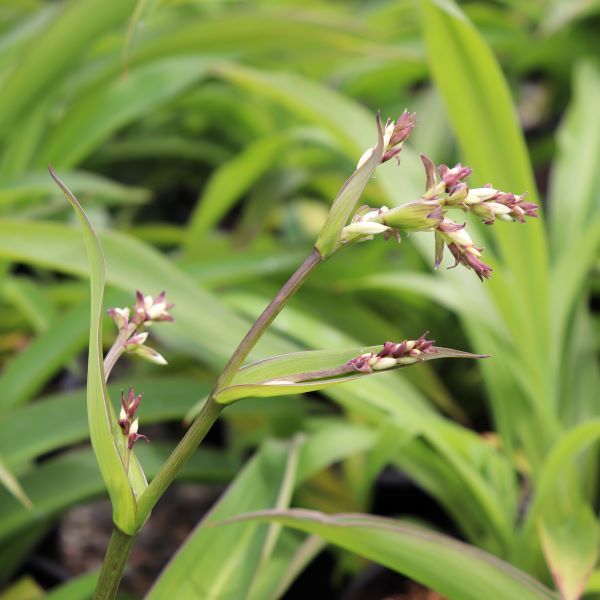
118, 348
267, 317
118, 551
208, 414
211, 409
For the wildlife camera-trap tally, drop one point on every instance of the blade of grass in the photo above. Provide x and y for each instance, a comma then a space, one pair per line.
123, 487
454, 569
51, 54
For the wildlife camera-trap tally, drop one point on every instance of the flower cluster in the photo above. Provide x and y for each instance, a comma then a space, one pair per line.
132, 324
446, 189
486, 202
148, 310
393, 355
127, 421
395, 134
414, 216
461, 246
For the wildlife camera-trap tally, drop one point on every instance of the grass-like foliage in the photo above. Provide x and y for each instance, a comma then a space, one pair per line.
230, 155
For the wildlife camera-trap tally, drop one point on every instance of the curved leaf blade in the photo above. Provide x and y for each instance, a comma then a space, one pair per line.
10, 482
220, 564
101, 416
452, 568
347, 199
301, 372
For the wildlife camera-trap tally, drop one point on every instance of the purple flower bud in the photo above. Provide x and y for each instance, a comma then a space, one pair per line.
489, 203
452, 177
148, 354
120, 316
148, 309
394, 354
470, 261
134, 436
361, 363
403, 127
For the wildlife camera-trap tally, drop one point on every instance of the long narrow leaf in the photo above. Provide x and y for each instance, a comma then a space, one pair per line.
309, 371
452, 568
122, 488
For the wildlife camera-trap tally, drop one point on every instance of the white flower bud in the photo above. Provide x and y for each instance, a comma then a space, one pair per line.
460, 237
148, 354
134, 427
364, 228
407, 360
381, 364
477, 195
499, 209
120, 316
138, 339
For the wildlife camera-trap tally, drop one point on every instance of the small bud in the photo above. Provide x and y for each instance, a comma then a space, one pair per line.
394, 135
451, 177
149, 309
393, 354
124, 421
489, 203
458, 195
414, 216
382, 364
120, 316
148, 354
363, 228
134, 436
137, 340
462, 247
407, 360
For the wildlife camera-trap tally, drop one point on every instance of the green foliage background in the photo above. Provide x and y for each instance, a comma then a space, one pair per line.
206, 141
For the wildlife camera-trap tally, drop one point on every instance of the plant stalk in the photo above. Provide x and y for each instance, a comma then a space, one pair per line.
268, 315
208, 414
118, 551
120, 543
211, 409
118, 348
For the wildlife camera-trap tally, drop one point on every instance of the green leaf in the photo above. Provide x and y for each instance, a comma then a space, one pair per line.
96, 116
302, 372
27, 372
73, 478
346, 200
291, 556
571, 549
123, 488
52, 53
10, 482
143, 10
59, 420
34, 185
485, 122
575, 177
228, 183
549, 494
79, 588
26, 588
30, 299
452, 568
210, 334
214, 563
